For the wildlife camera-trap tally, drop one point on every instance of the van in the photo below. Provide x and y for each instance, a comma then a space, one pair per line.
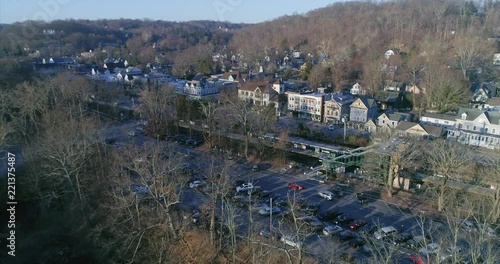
385, 232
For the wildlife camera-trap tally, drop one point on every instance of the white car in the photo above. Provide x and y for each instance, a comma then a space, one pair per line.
430, 249
244, 187
291, 241
131, 133
326, 194
385, 232
196, 184
332, 230
469, 226
331, 127
267, 210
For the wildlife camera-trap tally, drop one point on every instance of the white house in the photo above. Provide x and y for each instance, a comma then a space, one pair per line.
477, 127
200, 89
357, 89
442, 120
307, 105
261, 93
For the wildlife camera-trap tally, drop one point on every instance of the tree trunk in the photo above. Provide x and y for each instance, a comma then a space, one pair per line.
171, 223
496, 205
441, 194
247, 142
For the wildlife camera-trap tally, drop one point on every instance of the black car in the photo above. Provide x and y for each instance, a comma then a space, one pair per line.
358, 242
337, 192
368, 229
265, 194
362, 198
402, 238
329, 215
310, 209
346, 235
343, 219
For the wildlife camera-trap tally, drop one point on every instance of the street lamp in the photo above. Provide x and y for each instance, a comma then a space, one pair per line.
344, 120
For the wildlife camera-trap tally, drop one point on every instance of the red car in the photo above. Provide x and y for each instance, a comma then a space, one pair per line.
296, 186
416, 260
357, 224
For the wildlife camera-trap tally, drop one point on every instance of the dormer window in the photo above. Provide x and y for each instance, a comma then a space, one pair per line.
464, 116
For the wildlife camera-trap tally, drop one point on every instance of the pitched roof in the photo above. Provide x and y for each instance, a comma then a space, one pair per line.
367, 102
440, 116
433, 130
472, 113
405, 125
264, 87
495, 101
387, 96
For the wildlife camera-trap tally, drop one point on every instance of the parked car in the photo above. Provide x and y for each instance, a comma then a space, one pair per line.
326, 194
318, 178
418, 241
368, 229
357, 242
346, 235
267, 234
295, 186
329, 215
362, 198
244, 187
131, 133
432, 248
416, 260
267, 210
356, 224
310, 208
312, 222
196, 184
385, 232
402, 238
255, 168
468, 226
343, 219
332, 230
331, 127
291, 241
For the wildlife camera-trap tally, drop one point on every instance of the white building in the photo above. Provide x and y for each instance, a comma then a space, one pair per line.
477, 127
200, 89
307, 105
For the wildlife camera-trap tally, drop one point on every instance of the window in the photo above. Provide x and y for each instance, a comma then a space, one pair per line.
493, 131
474, 128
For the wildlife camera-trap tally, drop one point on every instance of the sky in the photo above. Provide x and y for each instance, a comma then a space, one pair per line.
236, 11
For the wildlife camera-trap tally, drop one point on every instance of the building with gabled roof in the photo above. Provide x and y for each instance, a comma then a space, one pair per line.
362, 109
261, 93
477, 127
405, 128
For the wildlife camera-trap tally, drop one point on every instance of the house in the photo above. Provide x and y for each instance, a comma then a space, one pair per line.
234, 76
405, 128
477, 127
482, 92
199, 89
394, 86
307, 105
357, 89
261, 93
337, 107
370, 126
362, 109
492, 104
496, 59
389, 100
391, 120
279, 86
415, 89
435, 119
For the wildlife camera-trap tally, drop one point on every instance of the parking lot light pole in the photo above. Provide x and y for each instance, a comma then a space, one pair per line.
271, 218
344, 120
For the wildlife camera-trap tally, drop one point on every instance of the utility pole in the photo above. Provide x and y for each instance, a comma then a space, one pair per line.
271, 218
344, 120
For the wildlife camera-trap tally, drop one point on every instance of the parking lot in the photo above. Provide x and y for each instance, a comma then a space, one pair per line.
275, 181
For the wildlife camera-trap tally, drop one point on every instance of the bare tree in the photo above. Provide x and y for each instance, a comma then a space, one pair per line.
158, 105
470, 51
209, 110
447, 160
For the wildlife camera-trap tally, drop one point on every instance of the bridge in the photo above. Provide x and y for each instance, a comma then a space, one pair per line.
339, 161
